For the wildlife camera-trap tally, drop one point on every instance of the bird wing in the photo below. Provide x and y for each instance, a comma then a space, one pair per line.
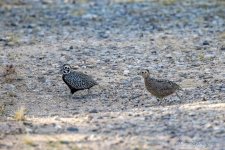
82, 81
165, 86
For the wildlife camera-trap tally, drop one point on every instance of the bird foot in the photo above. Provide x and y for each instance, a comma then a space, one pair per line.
159, 101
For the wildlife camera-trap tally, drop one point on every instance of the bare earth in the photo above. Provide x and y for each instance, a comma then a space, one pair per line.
182, 41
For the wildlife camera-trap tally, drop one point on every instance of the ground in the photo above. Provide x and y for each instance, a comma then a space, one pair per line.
112, 40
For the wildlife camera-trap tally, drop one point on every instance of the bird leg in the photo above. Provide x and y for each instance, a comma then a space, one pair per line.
178, 96
90, 93
70, 96
159, 101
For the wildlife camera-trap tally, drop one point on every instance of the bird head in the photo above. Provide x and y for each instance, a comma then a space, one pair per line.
144, 73
66, 69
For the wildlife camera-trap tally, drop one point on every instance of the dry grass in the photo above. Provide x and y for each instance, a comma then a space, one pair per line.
2, 109
9, 73
11, 3
78, 12
12, 39
9, 69
127, 1
76, 1
221, 1
222, 35
164, 2
168, 2
20, 114
28, 141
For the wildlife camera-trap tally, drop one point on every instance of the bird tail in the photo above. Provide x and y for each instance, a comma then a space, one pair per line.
96, 83
179, 88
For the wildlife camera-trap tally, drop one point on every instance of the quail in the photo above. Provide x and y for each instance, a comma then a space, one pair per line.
76, 80
160, 88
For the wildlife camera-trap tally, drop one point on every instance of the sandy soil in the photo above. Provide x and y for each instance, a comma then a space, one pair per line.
182, 41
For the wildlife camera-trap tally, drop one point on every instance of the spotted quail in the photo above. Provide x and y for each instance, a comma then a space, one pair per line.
160, 88
76, 80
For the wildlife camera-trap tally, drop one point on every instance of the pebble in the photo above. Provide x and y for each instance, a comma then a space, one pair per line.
42, 79
93, 111
126, 72
222, 48
71, 47
9, 87
110, 34
205, 43
72, 129
64, 142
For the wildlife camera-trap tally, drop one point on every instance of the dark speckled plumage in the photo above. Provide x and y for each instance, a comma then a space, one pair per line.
76, 80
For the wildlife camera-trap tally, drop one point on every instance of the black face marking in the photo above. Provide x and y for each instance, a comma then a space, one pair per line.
66, 67
66, 71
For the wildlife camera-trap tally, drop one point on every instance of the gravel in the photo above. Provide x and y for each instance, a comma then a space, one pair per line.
112, 40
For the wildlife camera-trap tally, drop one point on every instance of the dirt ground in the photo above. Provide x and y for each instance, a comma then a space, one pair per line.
111, 40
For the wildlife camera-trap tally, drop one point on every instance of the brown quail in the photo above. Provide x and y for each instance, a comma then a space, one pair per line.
76, 80
160, 88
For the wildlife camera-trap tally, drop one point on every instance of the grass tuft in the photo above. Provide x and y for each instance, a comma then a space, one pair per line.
20, 114
9, 73
127, 1
2, 109
27, 140
222, 35
168, 2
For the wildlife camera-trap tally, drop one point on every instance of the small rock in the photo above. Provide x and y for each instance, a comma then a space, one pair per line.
94, 130
204, 99
169, 56
198, 47
103, 35
154, 52
75, 113
93, 111
90, 16
124, 96
58, 126
71, 47
28, 124
90, 66
100, 117
222, 88
135, 96
222, 48
47, 128
9, 87
126, 72
205, 43
72, 129
89, 118
42, 79
29, 130
64, 142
